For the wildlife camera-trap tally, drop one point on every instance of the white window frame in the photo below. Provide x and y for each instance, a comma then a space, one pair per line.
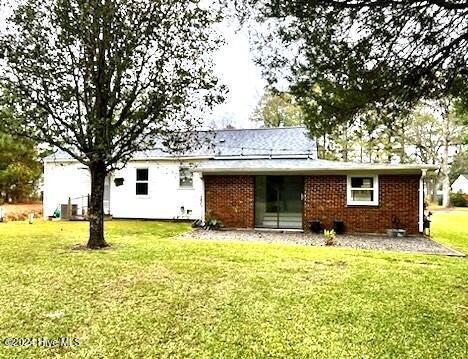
374, 202
139, 181
190, 168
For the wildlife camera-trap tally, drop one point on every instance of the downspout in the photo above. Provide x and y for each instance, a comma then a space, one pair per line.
421, 201
202, 199
45, 191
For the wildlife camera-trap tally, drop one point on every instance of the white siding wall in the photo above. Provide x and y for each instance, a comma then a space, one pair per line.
164, 200
460, 185
63, 180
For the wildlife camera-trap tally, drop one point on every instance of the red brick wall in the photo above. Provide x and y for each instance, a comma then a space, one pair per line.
231, 199
325, 200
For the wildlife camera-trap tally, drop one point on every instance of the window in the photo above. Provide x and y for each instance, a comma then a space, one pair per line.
363, 190
142, 181
185, 177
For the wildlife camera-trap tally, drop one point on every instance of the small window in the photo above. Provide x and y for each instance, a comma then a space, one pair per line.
185, 177
363, 190
142, 182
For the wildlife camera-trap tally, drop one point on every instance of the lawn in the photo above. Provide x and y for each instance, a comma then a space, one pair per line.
153, 296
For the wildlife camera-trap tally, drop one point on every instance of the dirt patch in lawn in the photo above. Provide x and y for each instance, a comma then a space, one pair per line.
20, 212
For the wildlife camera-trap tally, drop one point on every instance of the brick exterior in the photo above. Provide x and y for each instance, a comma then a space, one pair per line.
231, 199
325, 200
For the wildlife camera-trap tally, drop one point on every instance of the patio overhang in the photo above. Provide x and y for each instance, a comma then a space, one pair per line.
303, 166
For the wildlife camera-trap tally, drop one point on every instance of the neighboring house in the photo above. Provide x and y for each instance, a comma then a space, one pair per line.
252, 178
461, 184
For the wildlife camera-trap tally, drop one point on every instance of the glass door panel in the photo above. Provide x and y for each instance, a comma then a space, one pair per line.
260, 200
278, 201
290, 202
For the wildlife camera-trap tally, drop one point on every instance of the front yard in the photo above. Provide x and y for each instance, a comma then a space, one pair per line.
153, 296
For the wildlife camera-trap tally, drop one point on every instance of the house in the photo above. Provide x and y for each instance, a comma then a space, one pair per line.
461, 184
250, 178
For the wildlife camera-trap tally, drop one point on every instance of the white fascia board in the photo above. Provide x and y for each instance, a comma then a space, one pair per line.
167, 158
380, 169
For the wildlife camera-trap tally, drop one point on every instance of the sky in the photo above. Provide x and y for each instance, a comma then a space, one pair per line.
235, 68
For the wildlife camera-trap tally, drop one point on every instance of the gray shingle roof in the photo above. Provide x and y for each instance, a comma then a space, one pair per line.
288, 141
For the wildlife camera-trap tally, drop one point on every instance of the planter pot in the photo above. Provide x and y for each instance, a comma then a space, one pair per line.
316, 226
339, 227
396, 232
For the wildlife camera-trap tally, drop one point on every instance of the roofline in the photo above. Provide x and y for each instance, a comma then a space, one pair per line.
403, 169
321, 171
358, 167
201, 158
153, 158
254, 129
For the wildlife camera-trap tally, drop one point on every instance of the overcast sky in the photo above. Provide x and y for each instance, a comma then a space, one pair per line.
236, 69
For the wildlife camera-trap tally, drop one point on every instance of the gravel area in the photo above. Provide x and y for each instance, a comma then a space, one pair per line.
415, 244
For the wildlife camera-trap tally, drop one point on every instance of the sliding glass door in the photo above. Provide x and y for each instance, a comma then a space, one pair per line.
278, 202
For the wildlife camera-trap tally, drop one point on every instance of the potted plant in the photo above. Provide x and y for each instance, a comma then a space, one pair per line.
396, 231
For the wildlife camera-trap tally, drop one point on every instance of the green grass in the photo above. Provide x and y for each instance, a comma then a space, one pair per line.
152, 296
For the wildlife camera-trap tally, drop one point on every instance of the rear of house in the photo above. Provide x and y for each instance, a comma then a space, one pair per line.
292, 194
256, 178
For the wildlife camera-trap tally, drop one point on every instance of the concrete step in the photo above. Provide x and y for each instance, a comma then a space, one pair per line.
273, 214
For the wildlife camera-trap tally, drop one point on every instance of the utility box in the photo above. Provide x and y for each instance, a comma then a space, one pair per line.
66, 213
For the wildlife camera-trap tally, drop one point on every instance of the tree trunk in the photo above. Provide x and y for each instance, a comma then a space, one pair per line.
445, 162
345, 147
435, 184
431, 186
96, 206
445, 180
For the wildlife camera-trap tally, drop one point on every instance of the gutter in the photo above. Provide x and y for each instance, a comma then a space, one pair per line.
408, 168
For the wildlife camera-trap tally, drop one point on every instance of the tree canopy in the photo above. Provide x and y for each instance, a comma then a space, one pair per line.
20, 168
344, 58
103, 79
278, 109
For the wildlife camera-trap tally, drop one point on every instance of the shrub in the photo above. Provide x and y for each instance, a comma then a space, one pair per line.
329, 237
458, 200
212, 223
